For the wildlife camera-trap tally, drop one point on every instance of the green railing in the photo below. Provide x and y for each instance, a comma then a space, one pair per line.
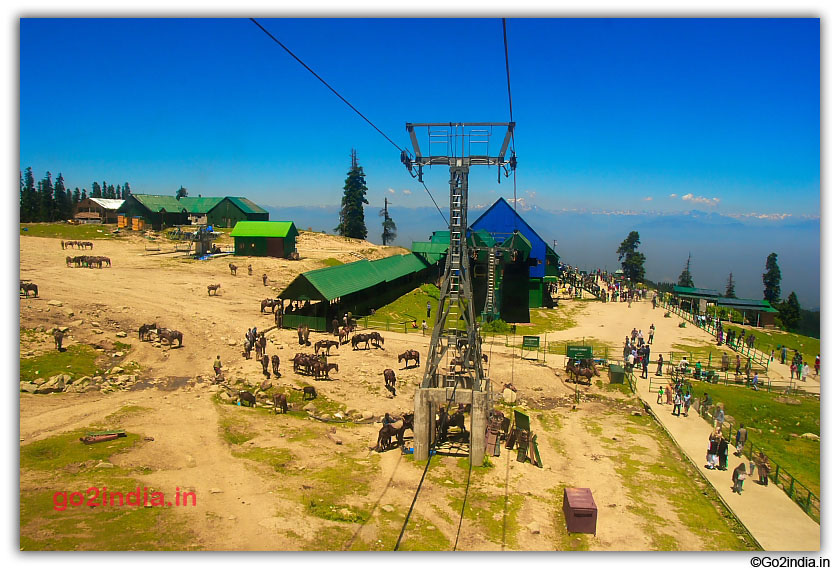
807, 500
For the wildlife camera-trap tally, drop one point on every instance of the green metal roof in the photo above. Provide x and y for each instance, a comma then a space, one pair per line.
330, 283
518, 242
156, 203
746, 304
246, 205
431, 252
695, 292
440, 237
481, 238
263, 229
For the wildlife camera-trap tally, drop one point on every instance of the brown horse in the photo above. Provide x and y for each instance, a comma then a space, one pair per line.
359, 339
377, 339
270, 303
214, 289
275, 365
303, 335
390, 381
25, 288
325, 344
322, 369
398, 429
409, 355
170, 336
264, 361
232, 268
343, 334
145, 330
280, 399
303, 363
58, 336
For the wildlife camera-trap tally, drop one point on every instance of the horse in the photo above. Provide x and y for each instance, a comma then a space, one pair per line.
343, 334
145, 330
322, 369
170, 336
309, 391
214, 289
325, 344
445, 421
58, 336
264, 361
398, 429
359, 339
303, 334
390, 381
248, 398
335, 328
25, 288
267, 303
302, 363
247, 349
377, 339
232, 268
280, 399
409, 355
275, 365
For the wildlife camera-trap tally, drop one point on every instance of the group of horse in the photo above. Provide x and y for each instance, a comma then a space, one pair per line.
163, 334
76, 244
89, 261
397, 426
26, 287
367, 338
314, 365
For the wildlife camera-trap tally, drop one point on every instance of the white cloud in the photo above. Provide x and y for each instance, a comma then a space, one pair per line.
392, 191
673, 196
701, 200
648, 198
407, 192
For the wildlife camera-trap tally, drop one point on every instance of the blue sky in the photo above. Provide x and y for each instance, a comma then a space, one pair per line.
612, 114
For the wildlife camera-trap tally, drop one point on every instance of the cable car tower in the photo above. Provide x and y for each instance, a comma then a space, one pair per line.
454, 370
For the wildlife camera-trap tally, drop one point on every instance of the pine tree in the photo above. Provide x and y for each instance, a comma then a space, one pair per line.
61, 201
77, 197
126, 191
118, 194
29, 197
96, 190
632, 261
789, 312
730, 287
181, 193
46, 207
84, 194
389, 228
685, 279
351, 217
112, 193
772, 279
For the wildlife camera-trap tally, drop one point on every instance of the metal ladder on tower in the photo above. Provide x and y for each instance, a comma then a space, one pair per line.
490, 302
457, 232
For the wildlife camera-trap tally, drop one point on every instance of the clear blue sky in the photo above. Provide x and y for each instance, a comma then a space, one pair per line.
626, 114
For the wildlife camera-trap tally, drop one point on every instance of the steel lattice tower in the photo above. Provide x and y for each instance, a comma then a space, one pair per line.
454, 371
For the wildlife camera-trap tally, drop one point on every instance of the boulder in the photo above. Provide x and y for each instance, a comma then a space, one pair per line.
310, 407
367, 415
533, 527
28, 387
54, 303
811, 436
122, 334
387, 508
98, 331
69, 313
117, 370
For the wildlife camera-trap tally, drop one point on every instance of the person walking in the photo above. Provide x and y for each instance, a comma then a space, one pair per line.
805, 372
678, 400
737, 365
762, 463
784, 354
668, 395
687, 402
720, 417
817, 365
739, 475
792, 370
660, 395
799, 370
217, 365
659, 366
704, 404
711, 451
740, 440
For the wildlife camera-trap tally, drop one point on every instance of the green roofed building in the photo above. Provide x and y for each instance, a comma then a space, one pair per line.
265, 239
160, 211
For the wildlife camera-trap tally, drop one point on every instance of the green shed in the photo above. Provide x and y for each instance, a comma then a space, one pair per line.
264, 239
233, 209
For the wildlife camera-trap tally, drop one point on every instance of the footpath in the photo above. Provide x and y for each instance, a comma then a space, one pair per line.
776, 522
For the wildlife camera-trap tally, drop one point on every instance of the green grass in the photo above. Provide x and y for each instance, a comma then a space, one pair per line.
78, 360
560, 318
66, 231
412, 305
62, 465
693, 499
496, 518
235, 430
759, 410
277, 459
767, 340
331, 262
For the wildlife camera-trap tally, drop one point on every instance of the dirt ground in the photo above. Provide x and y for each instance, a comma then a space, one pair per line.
291, 482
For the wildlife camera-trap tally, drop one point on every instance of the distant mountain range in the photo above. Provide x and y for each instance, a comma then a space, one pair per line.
718, 243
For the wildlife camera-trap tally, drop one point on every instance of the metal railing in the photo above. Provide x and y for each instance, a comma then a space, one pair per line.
807, 500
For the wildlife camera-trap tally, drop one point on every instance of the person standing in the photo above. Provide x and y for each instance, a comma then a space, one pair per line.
720, 417
762, 462
659, 366
740, 440
428, 309
738, 477
799, 370
687, 402
424, 326
805, 372
792, 370
817, 365
678, 400
723, 451
668, 395
217, 365
659, 395
784, 354
737, 365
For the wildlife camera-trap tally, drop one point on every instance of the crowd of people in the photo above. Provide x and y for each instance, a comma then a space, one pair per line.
637, 351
